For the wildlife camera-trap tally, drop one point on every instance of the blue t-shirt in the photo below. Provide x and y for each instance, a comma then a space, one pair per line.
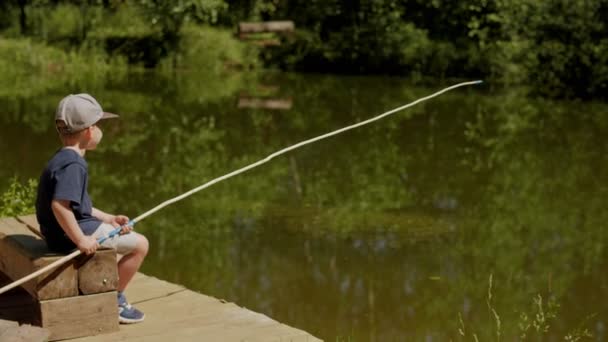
64, 178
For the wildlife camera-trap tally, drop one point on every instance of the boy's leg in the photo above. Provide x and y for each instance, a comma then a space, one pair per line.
133, 247
129, 264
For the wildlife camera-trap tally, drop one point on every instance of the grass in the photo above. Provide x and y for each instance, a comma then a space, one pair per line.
534, 324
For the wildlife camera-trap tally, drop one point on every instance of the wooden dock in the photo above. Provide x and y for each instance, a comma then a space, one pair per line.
77, 301
174, 313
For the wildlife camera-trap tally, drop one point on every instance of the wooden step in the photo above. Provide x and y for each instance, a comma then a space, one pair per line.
96, 273
74, 300
23, 252
71, 317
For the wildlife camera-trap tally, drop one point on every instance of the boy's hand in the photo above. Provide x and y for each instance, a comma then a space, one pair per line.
119, 220
87, 245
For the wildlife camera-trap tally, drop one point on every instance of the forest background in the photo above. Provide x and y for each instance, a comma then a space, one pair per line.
556, 49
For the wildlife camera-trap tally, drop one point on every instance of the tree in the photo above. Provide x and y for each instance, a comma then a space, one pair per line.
169, 16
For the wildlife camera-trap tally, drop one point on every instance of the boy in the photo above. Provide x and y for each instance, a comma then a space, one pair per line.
64, 210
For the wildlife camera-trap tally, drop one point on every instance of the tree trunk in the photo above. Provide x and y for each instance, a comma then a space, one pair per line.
22, 17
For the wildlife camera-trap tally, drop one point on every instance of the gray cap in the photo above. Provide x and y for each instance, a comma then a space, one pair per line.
79, 112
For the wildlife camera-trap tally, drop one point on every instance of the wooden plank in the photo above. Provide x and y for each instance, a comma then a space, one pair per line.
22, 252
97, 273
58, 283
189, 309
5, 325
178, 314
266, 26
11, 226
145, 288
189, 306
266, 103
32, 224
24, 333
64, 318
80, 316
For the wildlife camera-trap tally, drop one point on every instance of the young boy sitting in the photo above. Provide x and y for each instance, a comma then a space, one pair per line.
64, 210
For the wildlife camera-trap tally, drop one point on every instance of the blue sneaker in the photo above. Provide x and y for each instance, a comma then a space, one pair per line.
126, 313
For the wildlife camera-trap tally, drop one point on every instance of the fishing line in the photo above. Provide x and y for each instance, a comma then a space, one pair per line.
232, 174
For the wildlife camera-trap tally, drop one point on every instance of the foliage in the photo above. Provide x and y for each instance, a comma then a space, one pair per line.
554, 48
144, 32
126, 20
558, 48
19, 198
567, 55
31, 68
361, 37
170, 16
210, 49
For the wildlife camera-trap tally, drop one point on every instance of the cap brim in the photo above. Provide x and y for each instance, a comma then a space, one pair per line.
107, 115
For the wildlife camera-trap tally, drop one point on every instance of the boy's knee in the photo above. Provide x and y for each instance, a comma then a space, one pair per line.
142, 245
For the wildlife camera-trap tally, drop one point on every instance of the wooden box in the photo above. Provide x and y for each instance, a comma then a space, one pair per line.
73, 300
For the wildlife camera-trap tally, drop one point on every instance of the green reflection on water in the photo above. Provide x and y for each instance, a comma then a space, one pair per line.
383, 233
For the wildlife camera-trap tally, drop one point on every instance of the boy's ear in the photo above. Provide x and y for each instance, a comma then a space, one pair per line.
88, 132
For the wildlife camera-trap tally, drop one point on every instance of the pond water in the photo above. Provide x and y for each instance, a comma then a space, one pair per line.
479, 213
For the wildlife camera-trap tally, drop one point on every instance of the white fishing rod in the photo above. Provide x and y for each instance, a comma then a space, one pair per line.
229, 175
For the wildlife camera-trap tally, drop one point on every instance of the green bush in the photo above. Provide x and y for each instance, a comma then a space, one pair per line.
26, 56
368, 39
64, 24
211, 50
29, 68
557, 55
124, 21
557, 48
18, 199
124, 31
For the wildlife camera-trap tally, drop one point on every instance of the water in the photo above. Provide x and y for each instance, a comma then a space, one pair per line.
389, 232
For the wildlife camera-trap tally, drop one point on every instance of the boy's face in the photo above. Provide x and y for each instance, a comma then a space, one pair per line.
94, 136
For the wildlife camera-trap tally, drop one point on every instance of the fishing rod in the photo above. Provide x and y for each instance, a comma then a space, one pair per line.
229, 175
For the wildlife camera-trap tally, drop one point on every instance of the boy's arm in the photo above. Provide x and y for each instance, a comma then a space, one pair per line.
114, 220
67, 221
103, 216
